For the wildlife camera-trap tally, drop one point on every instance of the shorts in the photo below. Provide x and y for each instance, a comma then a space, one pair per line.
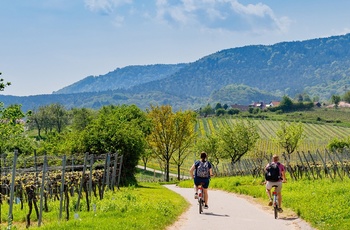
199, 180
269, 185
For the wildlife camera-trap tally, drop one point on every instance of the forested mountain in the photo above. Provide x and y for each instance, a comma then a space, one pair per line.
318, 67
122, 78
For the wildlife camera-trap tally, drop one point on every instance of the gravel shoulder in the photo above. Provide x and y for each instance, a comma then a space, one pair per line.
232, 211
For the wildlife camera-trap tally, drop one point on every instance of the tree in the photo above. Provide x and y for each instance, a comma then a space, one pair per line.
335, 100
12, 134
3, 84
207, 110
59, 116
238, 139
146, 156
286, 104
185, 135
346, 97
218, 106
118, 128
289, 136
81, 118
210, 145
169, 133
220, 112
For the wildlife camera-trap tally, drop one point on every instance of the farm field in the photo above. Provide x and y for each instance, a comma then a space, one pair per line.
316, 136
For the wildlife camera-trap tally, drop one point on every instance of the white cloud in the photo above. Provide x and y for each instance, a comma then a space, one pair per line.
221, 14
229, 15
105, 6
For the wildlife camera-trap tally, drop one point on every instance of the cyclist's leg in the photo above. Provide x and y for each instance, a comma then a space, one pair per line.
205, 189
195, 186
268, 189
279, 194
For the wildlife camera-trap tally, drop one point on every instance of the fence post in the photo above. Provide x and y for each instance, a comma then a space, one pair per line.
334, 166
114, 174
308, 166
120, 170
90, 174
13, 181
62, 184
81, 183
42, 191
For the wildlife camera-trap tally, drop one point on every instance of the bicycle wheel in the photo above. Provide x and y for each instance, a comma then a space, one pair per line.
200, 205
275, 209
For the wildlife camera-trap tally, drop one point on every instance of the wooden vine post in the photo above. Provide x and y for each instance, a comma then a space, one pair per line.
42, 190
62, 184
12, 189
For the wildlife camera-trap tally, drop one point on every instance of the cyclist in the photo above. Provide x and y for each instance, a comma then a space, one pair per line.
201, 171
281, 178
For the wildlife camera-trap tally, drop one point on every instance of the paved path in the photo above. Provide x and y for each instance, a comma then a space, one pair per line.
230, 211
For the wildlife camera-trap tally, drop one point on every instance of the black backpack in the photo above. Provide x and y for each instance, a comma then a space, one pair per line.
273, 172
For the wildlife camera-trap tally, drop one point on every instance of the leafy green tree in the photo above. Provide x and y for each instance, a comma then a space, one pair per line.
238, 139
81, 118
207, 110
118, 128
171, 133
346, 97
12, 132
218, 106
286, 104
3, 84
185, 135
220, 112
233, 111
339, 145
210, 144
146, 156
289, 136
59, 116
335, 100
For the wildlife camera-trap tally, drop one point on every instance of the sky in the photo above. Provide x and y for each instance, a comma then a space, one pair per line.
46, 45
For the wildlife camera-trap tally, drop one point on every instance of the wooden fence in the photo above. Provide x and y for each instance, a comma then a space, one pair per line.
40, 181
311, 165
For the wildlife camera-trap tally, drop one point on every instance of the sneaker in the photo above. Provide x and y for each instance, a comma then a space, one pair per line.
206, 207
280, 210
196, 196
270, 203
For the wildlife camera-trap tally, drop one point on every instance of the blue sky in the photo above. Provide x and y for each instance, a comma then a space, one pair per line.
49, 44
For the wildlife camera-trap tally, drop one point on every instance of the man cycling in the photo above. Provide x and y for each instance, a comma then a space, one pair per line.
201, 171
270, 183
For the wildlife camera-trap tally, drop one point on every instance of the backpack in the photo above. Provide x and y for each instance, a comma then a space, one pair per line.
202, 169
273, 172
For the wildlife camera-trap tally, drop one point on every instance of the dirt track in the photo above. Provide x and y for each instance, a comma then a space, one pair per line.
230, 211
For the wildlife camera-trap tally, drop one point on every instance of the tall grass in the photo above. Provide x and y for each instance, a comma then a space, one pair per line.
325, 204
148, 206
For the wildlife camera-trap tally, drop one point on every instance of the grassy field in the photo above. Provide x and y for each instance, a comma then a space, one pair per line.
148, 206
325, 204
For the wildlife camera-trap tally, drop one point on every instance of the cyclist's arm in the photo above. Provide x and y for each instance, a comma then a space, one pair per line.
284, 179
211, 172
192, 170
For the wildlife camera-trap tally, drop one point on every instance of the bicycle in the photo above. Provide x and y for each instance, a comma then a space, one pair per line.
201, 198
275, 201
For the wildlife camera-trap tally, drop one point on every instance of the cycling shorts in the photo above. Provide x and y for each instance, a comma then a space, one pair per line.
199, 180
269, 185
